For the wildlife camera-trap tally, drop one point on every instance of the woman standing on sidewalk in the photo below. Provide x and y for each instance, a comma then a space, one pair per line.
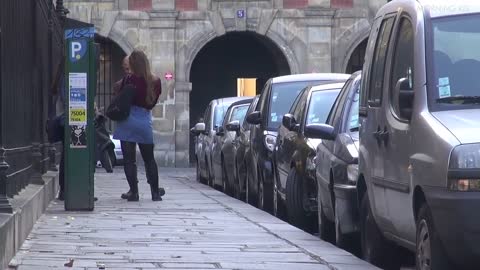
137, 128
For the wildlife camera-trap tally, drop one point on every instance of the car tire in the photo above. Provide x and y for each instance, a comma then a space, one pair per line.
225, 184
249, 198
265, 198
278, 205
296, 213
375, 248
200, 179
342, 240
326, 227
209, 175
429, 253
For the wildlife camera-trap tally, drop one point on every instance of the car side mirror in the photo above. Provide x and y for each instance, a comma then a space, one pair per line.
320, 131
220, 131
198, 129
233, 126
289, 122
254, 118
405, 98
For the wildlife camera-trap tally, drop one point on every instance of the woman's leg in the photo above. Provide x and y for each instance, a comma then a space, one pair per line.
151, 169
130, 168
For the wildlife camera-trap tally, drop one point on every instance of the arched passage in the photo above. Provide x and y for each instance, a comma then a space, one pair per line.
355, 63
220, 62
109, 70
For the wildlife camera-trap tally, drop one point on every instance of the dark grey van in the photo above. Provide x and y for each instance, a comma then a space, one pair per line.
419, 158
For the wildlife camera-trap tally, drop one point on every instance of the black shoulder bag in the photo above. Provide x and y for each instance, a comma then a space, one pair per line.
119, 109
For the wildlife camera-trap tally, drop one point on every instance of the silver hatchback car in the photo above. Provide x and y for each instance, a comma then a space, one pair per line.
419, 159
205, 133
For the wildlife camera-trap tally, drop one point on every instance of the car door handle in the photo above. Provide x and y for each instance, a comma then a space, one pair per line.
381, 135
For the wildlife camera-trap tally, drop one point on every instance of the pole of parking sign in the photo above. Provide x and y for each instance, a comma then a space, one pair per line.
80, 79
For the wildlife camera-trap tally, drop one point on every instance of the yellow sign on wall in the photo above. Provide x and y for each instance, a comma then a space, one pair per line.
246, 87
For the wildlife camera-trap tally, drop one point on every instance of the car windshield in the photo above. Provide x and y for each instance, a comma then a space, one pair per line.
238, 113
320, 106
456, 62
353, 123
283, 96
219, 114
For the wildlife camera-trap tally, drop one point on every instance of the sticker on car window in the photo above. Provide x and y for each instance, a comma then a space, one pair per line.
444, 87
274, 117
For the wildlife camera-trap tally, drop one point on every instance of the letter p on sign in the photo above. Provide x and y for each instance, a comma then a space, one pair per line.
76, 47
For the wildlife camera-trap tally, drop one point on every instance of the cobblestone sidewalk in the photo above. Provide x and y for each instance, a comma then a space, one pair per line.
194, 227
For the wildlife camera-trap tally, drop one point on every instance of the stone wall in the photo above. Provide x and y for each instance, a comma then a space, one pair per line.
314, 35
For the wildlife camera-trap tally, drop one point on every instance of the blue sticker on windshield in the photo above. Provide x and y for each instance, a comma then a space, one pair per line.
444, 87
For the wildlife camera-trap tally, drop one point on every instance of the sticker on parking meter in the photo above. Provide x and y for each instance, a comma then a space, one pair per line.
78, 136
78, 116
444, 87
78, 89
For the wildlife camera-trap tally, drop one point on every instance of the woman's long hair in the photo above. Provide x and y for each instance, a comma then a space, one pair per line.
140, 66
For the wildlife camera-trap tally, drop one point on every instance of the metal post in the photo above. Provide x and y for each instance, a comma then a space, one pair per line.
61, 10
36, 177
5, 206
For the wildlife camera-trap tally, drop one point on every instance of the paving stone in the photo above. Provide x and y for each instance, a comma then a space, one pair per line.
194, 227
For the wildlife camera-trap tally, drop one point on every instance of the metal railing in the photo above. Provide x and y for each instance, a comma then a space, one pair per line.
31, 45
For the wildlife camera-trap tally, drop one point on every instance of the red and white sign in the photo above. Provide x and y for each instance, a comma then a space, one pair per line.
168, 76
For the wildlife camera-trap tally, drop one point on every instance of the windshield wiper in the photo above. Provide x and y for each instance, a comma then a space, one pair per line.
464, 99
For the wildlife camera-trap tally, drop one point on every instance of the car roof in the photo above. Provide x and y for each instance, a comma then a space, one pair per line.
245, 101
437, 8
329, 86
311, 77
228, 100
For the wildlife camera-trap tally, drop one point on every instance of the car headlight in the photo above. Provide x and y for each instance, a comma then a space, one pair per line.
464, 168
270, 142
352, 173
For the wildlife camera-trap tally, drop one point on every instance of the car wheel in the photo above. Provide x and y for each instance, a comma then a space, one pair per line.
278, 206
429, 252
375, 248
209, 175
344, 241
248, 195
297, 215
326, 227
200, 179
260, 198
225, 184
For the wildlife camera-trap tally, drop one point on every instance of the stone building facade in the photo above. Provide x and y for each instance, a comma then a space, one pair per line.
312, 35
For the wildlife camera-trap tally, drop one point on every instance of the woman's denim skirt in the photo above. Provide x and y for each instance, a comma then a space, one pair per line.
136, 128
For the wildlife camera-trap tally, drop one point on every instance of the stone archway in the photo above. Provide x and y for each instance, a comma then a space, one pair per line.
186, 53
355, 61
216, 67
346, 43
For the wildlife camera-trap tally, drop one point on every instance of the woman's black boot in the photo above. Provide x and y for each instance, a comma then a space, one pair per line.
155, 193
133, 197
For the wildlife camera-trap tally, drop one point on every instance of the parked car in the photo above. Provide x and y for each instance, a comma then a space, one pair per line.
295, 182
243, 155
419, 159
336, 166
205, 137
223, 149
275, 100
